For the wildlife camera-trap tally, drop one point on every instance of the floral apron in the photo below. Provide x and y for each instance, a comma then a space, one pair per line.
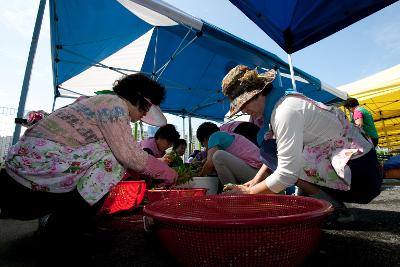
48, 166
326, 164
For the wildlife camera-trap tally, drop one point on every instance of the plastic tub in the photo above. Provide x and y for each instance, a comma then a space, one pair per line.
208, 182
239, 230
124, 196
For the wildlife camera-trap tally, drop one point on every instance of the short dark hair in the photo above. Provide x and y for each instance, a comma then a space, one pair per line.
179, 142
351, 103
167, 132
136, 87
205, 130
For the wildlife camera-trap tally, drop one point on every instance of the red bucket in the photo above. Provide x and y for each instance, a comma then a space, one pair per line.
124, 196
239, 230
159, 194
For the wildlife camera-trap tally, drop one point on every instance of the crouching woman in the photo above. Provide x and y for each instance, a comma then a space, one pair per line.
316, 146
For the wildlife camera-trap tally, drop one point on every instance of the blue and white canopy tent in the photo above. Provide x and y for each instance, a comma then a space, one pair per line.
94, 42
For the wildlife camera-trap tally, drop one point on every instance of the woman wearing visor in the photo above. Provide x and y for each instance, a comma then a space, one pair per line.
68, 161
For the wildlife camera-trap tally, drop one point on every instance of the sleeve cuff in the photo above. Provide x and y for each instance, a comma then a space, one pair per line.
274, 184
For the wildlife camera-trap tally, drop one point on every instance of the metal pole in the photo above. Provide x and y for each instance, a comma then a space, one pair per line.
190, 135
292, 72
384, 129
279, 77
28, 69
183, 126
136, 131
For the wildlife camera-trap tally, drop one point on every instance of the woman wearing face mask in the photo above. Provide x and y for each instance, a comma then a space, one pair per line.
67, 162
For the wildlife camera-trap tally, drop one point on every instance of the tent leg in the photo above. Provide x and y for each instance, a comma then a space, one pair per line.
279, 77
28, 69
384, 129
190, 136
54, 104
136, 131
292, 72
141, 130
183, 134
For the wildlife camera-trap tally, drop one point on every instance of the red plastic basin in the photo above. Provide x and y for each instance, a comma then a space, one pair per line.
159, 194
239, 230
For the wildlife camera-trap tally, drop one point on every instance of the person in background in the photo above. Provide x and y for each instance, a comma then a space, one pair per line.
163, 139
67, 162
361, 117
178, 150
197, 156
244, 128
180, 147
315, 146
235, 158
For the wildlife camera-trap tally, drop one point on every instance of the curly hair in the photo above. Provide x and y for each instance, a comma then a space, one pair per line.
351, 103
167, 132
205, 130
137, 87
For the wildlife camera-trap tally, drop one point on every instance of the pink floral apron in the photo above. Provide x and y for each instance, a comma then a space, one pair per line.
44, 165
326, 164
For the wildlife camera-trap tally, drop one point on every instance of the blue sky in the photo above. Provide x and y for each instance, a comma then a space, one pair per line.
364, 48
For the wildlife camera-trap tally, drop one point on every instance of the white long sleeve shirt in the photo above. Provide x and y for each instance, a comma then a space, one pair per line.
295, 123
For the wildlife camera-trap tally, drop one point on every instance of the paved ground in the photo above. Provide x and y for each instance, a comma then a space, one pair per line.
373, 240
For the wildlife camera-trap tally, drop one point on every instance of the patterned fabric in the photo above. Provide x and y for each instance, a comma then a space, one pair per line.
43, 165
230, 126
326, 164
150, 143
87, 145
245, 150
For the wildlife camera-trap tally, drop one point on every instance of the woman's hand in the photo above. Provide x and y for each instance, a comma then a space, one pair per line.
166, 159
251, 183
232, 189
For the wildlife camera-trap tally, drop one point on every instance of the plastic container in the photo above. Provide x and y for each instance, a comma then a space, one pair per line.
208, 182
239, 230
159, 194
124, 196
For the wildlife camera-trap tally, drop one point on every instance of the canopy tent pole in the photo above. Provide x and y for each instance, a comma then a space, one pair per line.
28, 69
279, 77
190, 135
292, 72
183, 126
141, 130
155, 54
385, 130
54, 104
136, 131
178, 50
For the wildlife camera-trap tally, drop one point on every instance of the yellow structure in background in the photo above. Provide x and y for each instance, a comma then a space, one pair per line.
380, 94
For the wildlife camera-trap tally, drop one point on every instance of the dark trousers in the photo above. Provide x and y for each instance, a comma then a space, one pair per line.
366, 175
366, 180
375, 141
20, 202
